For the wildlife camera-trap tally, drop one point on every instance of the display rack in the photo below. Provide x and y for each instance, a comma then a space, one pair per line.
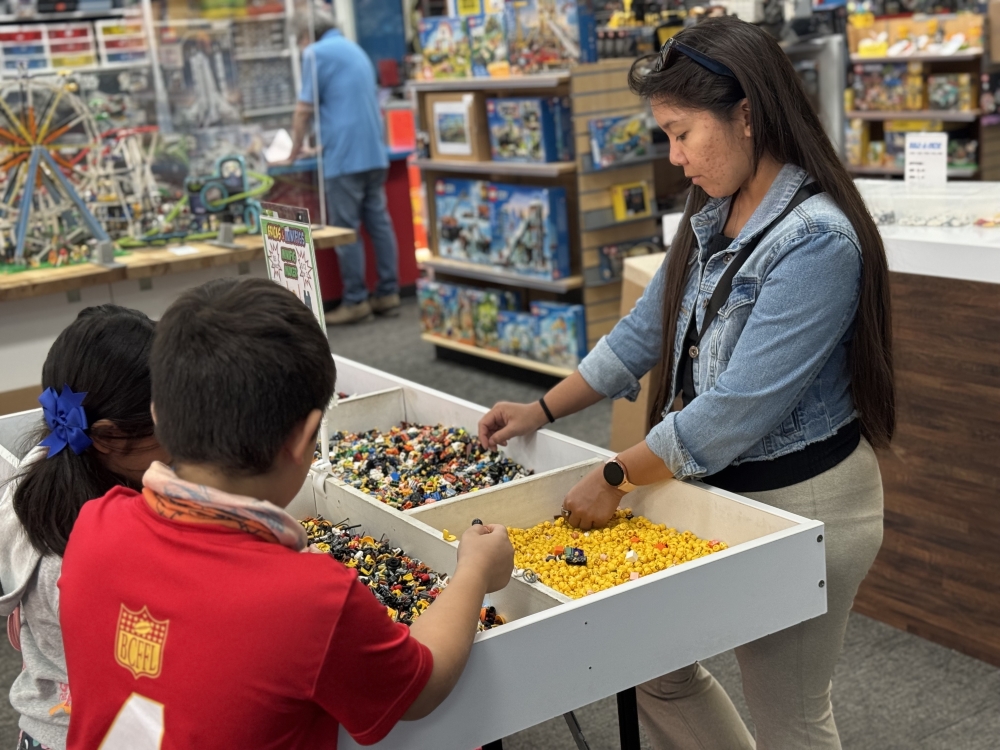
595, 90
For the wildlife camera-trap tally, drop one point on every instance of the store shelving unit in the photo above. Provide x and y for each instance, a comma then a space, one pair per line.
966, 173
596, 90
943, 115
964, 56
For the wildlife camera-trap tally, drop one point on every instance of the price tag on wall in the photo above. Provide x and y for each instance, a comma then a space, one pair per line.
927, 158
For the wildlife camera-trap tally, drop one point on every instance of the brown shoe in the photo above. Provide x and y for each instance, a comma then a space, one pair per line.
387, 305
348, 314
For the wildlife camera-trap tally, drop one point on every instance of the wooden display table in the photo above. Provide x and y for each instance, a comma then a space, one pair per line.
34, 310
935, 575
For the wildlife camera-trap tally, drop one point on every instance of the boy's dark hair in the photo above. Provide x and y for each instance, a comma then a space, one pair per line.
236, 364
104, 352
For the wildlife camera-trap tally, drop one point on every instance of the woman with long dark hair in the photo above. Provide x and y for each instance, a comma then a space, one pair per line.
97, 433
770, 321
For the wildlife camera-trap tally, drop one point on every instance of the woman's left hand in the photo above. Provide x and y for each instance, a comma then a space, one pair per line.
592, 501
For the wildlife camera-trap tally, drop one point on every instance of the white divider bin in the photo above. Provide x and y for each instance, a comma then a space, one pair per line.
556, 654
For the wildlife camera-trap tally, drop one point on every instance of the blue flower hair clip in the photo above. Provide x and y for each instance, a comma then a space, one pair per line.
66, 418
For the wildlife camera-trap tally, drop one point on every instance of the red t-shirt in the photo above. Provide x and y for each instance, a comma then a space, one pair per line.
244, 642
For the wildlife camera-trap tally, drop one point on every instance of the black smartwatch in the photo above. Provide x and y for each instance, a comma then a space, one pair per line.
616, 476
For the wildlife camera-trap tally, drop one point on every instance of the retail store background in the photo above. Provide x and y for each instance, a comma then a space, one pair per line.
892, 691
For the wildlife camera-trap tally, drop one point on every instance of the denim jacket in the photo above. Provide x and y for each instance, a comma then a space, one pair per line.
772, 373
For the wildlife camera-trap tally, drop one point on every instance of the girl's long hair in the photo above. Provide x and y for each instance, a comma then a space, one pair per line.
785, 127
104, 352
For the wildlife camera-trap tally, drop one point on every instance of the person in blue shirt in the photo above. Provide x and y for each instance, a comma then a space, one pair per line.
770, 324
338, 77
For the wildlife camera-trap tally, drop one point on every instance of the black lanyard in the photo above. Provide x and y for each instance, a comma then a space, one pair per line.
724, 288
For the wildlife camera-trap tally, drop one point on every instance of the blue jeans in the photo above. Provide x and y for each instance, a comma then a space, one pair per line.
353, 199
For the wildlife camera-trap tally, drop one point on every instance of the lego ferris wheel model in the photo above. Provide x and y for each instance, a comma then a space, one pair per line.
50, 176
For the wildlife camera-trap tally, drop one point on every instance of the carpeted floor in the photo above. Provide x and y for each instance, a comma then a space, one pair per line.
892, 690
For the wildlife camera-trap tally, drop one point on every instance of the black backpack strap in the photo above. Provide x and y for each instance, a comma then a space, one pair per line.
725, 286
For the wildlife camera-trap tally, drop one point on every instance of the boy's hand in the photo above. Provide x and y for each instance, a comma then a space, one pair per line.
487, 552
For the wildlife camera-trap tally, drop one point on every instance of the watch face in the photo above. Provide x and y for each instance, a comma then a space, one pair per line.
613, 474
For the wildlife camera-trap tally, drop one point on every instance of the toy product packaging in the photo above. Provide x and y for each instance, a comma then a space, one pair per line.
444, 47
880, 88
913, 86
468, 301
431, 312
962, 152
462, 216
488, 304
516, 332
450, 325
530, 230
856, 142
611, 258
631, 201
895, 139
561, 338
529, 130
876, 153
550, 34
614, 140
951, 92
488, 45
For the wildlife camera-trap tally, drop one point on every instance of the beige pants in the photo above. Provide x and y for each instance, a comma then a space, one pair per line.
786, 675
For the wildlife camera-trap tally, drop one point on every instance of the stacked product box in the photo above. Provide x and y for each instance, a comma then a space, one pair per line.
517, 332
530, 230
532, 129
615, 140
544, 35
468, 315
488, 45
444, 45
561, 338
463, 219
518, 228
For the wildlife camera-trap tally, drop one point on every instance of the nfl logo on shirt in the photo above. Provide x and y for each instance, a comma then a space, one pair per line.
139, 642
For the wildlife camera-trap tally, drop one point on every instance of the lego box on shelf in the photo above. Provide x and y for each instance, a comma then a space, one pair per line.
489, 304
530, 230
529, 129
561, 333
550, 34
462, 215
444, 47
614, 140
516, 332
431, 309
488, 45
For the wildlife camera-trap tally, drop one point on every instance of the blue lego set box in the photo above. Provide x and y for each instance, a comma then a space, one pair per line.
488, 45
516, 332
462, 218
530, 230
614, 140
561, 334
444, 47
530, 129
550, 34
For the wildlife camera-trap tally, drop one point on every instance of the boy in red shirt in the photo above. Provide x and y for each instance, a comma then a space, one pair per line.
190, 618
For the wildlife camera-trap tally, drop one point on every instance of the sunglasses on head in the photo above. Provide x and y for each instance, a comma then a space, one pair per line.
702, 59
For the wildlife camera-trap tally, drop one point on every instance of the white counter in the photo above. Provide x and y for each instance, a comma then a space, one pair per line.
969, 253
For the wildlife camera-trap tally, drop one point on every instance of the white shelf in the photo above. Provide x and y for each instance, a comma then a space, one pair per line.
964, 56
75, 15
508, 278
284, 108
547, 169
953, 172
944, 115
264, 55
540, 81
507, 359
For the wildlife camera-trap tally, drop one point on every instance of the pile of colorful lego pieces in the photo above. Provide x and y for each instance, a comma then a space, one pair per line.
402, 584
577, 563
413, 465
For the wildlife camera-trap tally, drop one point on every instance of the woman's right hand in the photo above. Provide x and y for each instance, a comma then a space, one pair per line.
507, 420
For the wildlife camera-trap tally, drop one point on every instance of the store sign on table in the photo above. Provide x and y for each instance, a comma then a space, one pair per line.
927, 158
290, 254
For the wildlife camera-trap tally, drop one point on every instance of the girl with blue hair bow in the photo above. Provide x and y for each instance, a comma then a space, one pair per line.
97, 433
